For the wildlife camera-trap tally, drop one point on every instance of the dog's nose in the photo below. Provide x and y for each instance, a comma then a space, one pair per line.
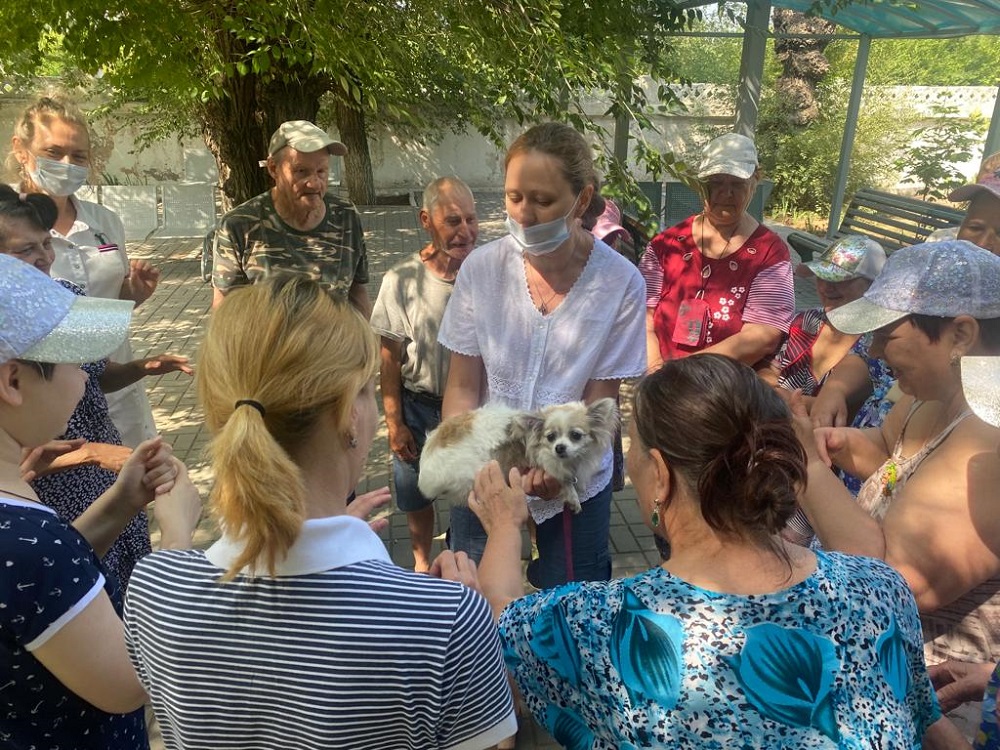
560, 449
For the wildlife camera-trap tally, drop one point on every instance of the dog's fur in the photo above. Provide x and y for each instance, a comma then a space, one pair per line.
568, 441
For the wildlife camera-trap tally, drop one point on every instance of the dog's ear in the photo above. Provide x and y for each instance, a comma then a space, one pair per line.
603, 414
524, 424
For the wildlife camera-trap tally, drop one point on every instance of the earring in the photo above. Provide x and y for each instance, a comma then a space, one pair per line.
955, 359
655, 518
352, 440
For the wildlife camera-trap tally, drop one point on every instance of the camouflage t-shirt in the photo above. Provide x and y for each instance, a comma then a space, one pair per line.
252, 241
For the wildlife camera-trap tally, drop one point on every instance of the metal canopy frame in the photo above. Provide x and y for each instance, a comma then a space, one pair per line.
916, 19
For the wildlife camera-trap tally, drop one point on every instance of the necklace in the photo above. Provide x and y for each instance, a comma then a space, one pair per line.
701, 243
543, 304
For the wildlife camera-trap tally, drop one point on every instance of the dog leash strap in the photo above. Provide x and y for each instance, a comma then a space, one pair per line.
568, 542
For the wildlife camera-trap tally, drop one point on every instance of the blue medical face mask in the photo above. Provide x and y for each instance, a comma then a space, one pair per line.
58, 177
542, 239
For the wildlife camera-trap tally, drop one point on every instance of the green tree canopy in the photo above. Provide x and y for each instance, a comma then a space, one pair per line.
235, 69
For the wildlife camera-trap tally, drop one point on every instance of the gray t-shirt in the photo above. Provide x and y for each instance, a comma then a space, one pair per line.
409, 309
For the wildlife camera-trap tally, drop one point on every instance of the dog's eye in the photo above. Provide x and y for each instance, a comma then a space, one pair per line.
550, 436
575, 435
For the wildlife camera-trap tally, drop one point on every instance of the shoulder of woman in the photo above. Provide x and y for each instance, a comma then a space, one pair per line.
101, 217
771, 242
675, 233
973, 436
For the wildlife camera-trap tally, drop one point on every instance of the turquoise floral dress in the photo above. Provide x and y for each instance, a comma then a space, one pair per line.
651, 661
988, 737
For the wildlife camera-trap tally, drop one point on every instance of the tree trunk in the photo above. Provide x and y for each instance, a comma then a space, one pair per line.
358, 174
803, 63
237, 140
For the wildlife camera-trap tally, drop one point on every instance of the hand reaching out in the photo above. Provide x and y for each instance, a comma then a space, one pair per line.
958, 682
456, 566
141, 282
34, 461
366, 504
149, 472
178, 511
829, 410
494, 501
161, 364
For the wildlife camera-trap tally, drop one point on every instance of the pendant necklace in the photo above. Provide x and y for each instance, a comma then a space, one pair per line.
721, 255
543, 304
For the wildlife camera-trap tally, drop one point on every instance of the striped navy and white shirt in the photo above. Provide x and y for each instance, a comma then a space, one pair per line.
341, 649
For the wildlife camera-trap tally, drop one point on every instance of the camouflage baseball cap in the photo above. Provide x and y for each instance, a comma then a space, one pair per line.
988, 180
304, 136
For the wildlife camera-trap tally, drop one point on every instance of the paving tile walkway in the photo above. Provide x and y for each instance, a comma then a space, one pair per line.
173, 321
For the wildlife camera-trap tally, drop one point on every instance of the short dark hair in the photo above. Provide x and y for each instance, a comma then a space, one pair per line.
932, 327
45, 369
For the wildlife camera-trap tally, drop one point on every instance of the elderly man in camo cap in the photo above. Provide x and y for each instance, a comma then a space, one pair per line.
296, 225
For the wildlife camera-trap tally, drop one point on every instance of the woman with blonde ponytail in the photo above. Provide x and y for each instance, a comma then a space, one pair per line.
295, 629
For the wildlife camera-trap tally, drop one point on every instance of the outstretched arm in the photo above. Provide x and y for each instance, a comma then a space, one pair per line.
466, 383
118, 375
843, 391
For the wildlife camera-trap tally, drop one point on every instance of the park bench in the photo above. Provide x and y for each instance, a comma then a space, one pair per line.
893, 221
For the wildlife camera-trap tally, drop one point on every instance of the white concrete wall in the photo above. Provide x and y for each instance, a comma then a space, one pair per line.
409, 165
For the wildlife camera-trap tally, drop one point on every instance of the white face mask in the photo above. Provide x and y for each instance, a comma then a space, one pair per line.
58, 177
541, 239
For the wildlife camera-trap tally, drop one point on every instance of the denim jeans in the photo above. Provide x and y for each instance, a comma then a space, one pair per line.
421, 415
589, 542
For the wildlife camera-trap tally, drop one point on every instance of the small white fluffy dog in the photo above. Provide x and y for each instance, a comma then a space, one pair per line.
568, 441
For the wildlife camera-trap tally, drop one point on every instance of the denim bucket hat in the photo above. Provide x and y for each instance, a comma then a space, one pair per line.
944, 279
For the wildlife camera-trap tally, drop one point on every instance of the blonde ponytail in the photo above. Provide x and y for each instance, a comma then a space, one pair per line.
295, 353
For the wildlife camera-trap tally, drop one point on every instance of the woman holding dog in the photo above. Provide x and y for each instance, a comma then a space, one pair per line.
740, 639
545, 315
295, 629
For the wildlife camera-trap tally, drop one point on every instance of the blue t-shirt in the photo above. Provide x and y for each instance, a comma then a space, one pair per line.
651, 661
49, 575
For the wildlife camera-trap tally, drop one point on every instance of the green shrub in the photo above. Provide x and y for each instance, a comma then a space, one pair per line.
803, 161
929, 160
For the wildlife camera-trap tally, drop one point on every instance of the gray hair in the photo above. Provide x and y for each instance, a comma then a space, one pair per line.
432, 193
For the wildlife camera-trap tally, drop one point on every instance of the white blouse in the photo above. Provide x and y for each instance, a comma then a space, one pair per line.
534, 360
92, 255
